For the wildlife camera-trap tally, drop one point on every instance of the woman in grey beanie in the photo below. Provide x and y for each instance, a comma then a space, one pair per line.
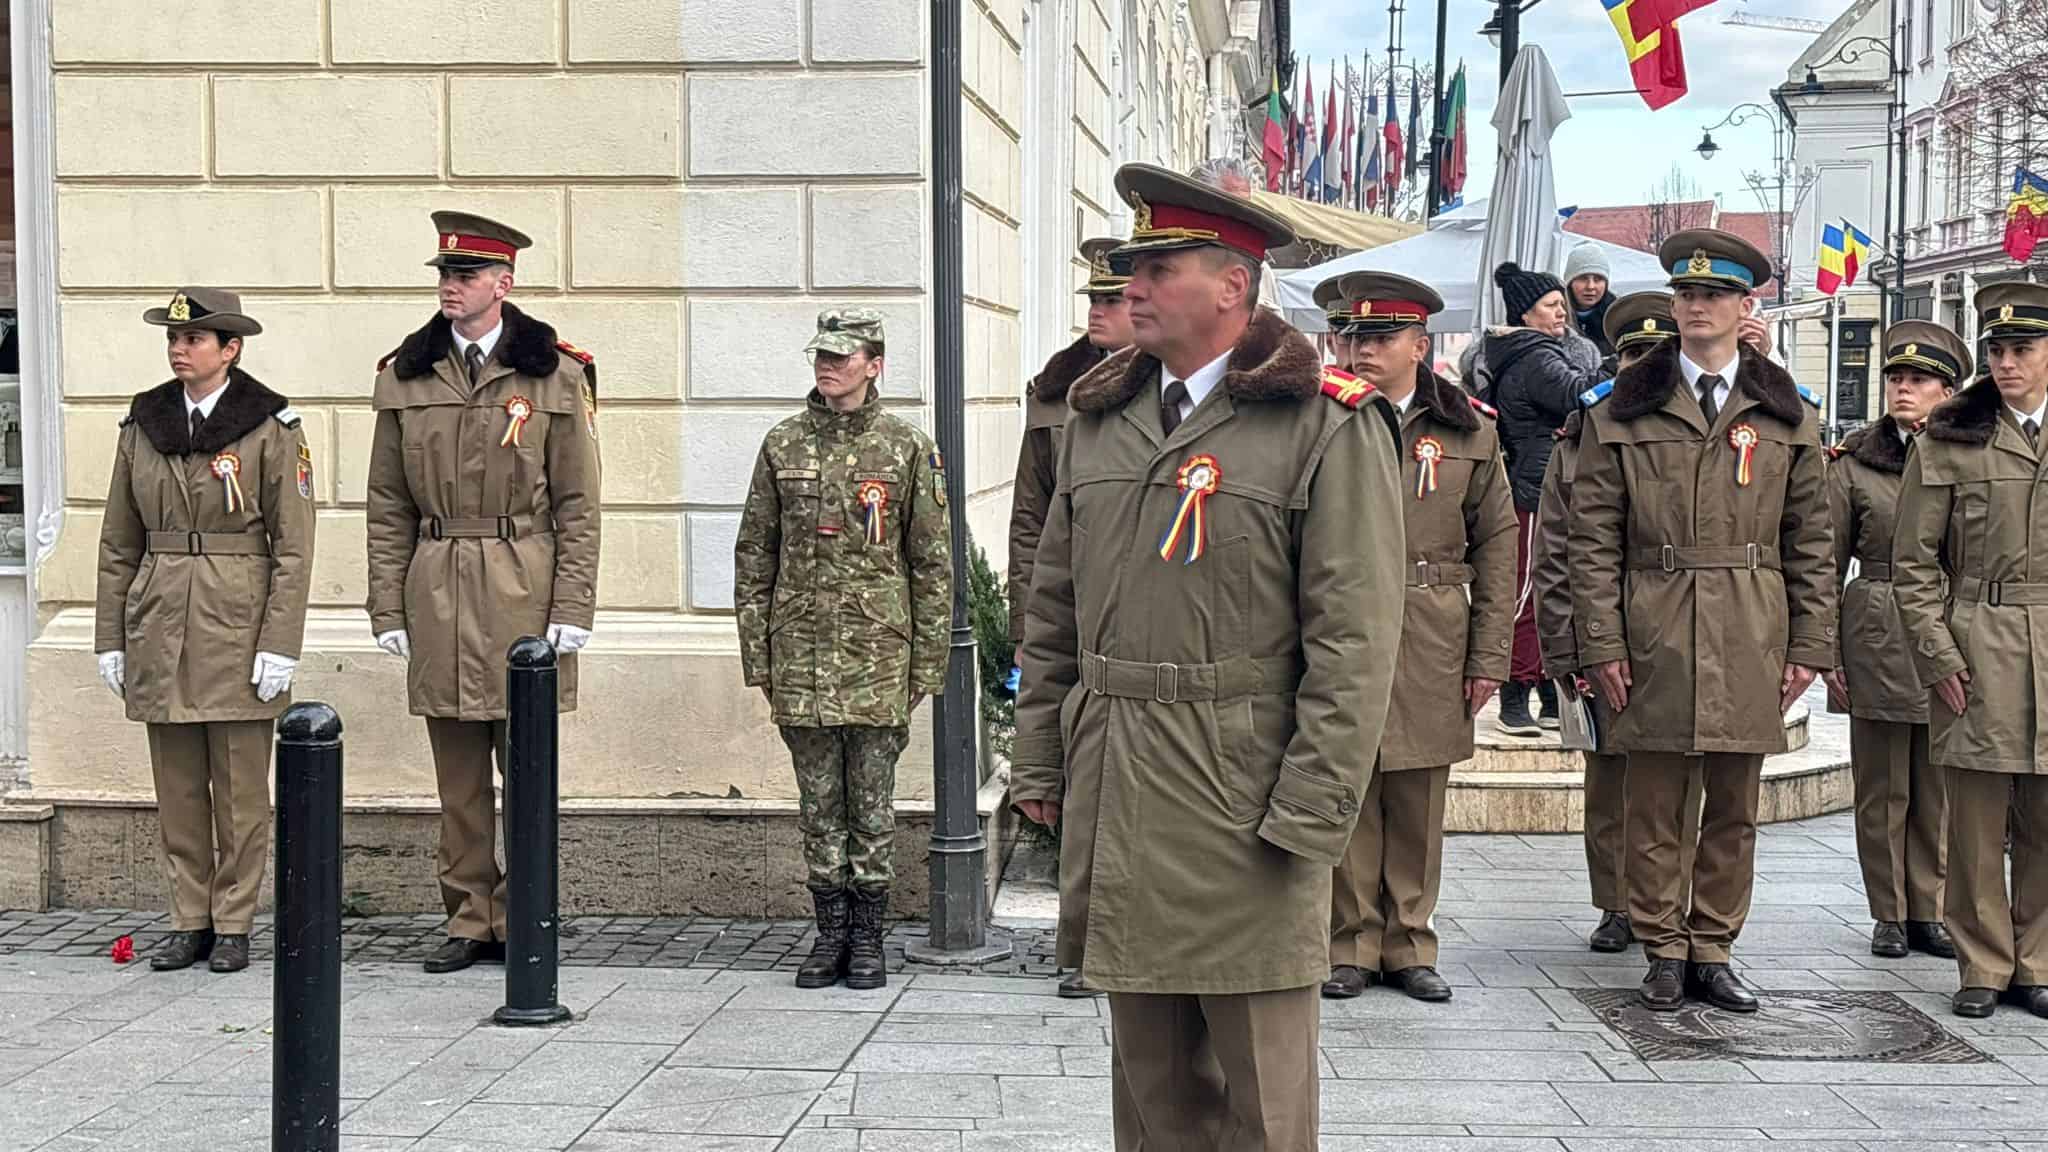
1585, 279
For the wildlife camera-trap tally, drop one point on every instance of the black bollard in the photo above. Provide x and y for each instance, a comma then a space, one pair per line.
532, 804
305, 1052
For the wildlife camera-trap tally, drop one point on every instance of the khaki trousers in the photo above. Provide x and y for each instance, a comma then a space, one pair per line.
1901, 814
1385, 890
1606, 828
213, 804
1723, 868
2000, 943
472, 884
1215, 1073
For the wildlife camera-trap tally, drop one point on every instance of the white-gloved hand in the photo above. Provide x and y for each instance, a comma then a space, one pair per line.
114, 671
272, 675
567, 638
396, 642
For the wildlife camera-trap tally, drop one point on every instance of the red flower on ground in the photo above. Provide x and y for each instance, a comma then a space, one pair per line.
124, 950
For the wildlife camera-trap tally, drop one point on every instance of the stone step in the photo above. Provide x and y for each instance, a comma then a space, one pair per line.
1496, 751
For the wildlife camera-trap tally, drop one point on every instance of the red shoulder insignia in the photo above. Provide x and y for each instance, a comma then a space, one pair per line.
1483, 407
571, 350
386, 361
1835, 451
1345, 388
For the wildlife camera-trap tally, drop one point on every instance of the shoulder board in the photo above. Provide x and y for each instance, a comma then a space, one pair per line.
1483, 408
386, 361
1596, 393
573, 351
287, 417
1345, 388
1810, 395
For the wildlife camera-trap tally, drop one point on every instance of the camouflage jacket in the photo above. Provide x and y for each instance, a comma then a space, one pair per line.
842, 574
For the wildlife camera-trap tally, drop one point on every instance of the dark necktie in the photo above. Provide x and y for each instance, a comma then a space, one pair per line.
1708, 384
2033, 431
198, 422
1169, 405
474, 355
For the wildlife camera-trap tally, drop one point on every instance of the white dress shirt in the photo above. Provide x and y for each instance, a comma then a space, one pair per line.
2039, 415
1693, 372
487, 341
1199, 385
203, 407
1403, 403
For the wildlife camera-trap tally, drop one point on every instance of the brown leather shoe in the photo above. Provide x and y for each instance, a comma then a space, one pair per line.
1888, 939
1663, 987
230, 952
1718, 985
1930, 937
1347, 981
182, 950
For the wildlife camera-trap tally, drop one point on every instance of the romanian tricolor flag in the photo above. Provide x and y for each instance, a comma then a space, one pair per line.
1855, 253
1831, 274
1649, 37
2026, 214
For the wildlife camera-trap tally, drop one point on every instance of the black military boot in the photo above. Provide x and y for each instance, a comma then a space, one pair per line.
865, 965
1546, 692
827, 962
1514, 710
182, 950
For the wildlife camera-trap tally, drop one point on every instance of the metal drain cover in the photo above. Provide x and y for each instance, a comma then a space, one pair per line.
1871, 1027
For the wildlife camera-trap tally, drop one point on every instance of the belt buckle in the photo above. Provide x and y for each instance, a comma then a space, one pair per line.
195, 544
1099, 665
1996, 590
505, 528
433, 528
1422, 573
1667, 558
1166, 683
1754, 553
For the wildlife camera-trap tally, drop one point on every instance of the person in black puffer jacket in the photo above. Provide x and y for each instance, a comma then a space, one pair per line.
1538, 369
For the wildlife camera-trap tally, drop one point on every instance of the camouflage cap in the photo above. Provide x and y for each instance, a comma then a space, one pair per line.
842, 331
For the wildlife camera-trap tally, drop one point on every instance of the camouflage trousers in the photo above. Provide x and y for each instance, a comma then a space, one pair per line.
846, 777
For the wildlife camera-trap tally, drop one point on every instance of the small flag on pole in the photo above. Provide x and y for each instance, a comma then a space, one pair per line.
2026, 214
1830, 273
1855, 253
1274, 152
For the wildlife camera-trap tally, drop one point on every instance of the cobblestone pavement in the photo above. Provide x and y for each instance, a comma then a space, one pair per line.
676, 1047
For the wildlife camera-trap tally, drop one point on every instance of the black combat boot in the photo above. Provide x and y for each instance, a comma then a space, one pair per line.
865, 966
827, 962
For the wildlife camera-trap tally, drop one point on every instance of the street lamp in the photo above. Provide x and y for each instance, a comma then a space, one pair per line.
1781, 160
1852, 50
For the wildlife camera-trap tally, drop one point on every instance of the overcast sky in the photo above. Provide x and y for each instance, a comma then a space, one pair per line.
1613, 150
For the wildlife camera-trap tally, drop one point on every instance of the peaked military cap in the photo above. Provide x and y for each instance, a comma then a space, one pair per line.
1714, 259
1329, 296
1171, 211
1639, 318
214, 309
1383, 302
466, 240
1927, 347
2014, 308
1107, 272
843, 331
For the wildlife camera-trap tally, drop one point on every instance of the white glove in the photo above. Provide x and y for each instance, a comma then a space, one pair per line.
567, 638
114, 671
272, 675
396, 642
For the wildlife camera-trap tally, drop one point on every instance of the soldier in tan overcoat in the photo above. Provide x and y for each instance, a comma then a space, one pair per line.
1207, 661
206, 559
1457, 635
483, 527
1703, 593
1901, 801
1633, 326
1970, 573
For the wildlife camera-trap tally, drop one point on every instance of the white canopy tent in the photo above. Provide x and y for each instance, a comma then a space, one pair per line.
1441, 258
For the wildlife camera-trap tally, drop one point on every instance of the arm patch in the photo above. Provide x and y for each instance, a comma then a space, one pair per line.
1596, 393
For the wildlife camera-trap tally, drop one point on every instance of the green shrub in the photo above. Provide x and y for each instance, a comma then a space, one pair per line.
989, 610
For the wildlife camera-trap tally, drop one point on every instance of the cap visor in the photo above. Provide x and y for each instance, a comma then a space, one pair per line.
230, 323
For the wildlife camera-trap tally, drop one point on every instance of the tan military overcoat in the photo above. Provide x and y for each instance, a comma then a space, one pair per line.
1549, 569
1211, 726
1707, 585
1045, 415
1459, 615
442, 462
1863, 501
189, 588
1973, 508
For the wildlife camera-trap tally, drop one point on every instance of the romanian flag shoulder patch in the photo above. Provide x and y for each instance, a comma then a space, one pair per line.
1345, 388
1483, 408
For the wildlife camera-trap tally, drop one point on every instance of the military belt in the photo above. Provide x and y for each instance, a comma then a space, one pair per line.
1874, 570
1672, 558
210, 543
1423, 574
484, 527
1996, 592
1176, 683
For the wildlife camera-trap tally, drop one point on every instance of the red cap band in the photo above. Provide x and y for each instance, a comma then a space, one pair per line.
1399, 309
481, 247
1223, 230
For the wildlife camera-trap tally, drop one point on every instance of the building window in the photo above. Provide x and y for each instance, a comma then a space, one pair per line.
1927, 33
1906, 28
1924, 151
1958, 170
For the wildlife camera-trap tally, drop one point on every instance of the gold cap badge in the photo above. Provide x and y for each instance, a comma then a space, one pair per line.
1650, 325
180, 309
1912, 349
1701, 263
450, 240
2005, 313
1141, 219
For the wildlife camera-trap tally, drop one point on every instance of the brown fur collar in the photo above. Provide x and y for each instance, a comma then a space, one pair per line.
1645, 386
1446, 401
1066, 366
243, 406
1271, 362
527, 346
1876, 445
1968, 417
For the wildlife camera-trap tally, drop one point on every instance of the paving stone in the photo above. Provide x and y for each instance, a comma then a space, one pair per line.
520, 1125
717, 1101
1372, 1102
599, 1141
1762, 1105
1374, 1034
1950, 1107
807, 1040
994, 1004
581, 1074
1008, 1060
1397, 1064
925, 1094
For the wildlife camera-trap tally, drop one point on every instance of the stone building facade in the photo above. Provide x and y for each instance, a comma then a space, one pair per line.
700, 179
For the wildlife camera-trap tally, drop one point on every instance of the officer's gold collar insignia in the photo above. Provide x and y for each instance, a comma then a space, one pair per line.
180, 309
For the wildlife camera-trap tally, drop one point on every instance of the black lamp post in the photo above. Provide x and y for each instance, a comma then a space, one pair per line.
1781, 162
1895, 144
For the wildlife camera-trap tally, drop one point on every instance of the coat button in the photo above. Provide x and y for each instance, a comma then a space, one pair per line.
1504, 643
1593, 628
1344, 807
